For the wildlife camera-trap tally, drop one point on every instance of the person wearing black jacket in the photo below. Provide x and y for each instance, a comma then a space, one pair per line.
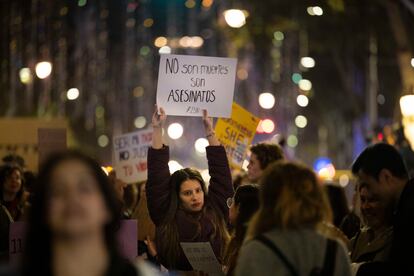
381, 168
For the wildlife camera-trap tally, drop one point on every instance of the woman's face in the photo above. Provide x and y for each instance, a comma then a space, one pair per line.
373, 210
13, 183
76, 205
191, 196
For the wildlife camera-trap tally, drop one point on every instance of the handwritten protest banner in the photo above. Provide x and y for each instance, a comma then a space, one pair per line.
201, 257
236, 134
130, 155
189, 84
126, 238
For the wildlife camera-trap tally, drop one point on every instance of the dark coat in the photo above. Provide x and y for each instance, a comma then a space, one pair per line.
191, 228
401, 257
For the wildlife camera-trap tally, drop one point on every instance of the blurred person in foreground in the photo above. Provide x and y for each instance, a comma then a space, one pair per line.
283, 237
381, 169
262, 155
73, 222
241, 209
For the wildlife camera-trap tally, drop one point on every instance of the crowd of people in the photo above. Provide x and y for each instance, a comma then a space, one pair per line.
275, 219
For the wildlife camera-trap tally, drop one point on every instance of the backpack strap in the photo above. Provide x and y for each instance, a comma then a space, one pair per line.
272, 246
330, 258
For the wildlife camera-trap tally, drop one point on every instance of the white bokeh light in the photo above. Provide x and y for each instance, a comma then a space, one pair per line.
307, 62
175, 131
305, 84
164, 50
140, 122
43, 69
268, 126
267, 100
201, 144
235, 18
72, 94
174, 166
302, 100
318, 11
197, 41
103, 141
301, 121
25, 75
310, 11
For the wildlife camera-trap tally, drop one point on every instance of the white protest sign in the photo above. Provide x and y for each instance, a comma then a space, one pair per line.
189, 84
201, 257
130, 155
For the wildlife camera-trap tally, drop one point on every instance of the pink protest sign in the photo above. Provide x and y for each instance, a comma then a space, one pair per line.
127, 239
130, 155
16, 237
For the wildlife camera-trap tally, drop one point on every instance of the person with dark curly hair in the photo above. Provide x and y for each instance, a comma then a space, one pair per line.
262, 155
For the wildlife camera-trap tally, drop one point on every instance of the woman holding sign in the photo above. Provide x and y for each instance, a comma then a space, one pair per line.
179, 204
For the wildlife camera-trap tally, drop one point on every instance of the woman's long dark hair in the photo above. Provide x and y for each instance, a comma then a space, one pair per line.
37, 256
168, 237
246, 198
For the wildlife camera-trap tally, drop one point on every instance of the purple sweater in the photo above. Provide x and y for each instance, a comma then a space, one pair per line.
158, 199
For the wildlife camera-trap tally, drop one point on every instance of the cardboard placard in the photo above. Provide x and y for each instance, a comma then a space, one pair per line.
189, 84
127, 239
201, 257
50, 140
16, 237
130, 155
236, 134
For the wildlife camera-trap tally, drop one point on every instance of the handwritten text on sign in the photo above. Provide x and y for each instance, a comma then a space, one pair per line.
189, 84
201, 257
236, 134
130, 155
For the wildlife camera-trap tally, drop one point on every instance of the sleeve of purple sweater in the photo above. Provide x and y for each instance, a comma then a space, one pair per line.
221, 186
157, 189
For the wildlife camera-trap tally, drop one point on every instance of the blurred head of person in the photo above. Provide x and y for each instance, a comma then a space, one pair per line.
381, 169
290, 198
239, 178
337, 201
375, 213
262, 155
11, 183
73, 202
188, 193
242, 207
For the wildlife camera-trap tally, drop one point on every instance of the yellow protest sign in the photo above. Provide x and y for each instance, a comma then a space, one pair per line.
236, 134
